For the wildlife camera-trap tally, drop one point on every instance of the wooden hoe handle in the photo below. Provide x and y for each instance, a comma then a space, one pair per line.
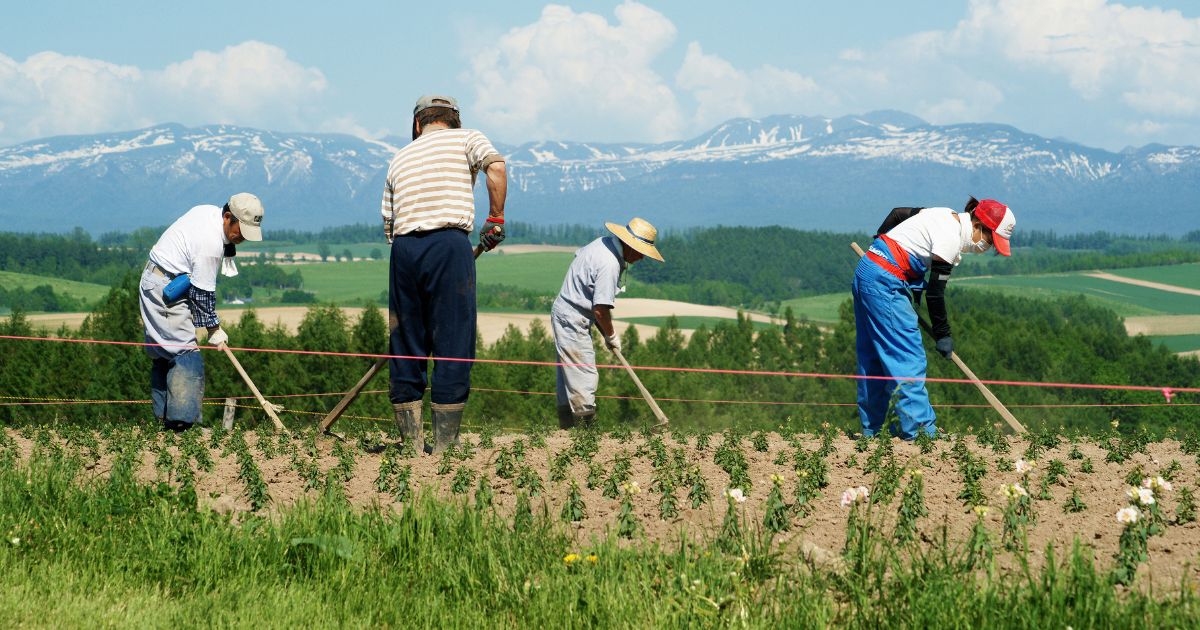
266, 406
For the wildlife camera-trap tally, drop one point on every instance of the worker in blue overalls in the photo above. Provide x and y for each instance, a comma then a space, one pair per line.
888, 283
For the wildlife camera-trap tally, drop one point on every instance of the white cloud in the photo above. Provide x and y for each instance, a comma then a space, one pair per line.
1147, 57
569, 75
852, 54
251, 83
722, 91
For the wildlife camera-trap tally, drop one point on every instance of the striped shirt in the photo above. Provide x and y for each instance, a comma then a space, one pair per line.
429, 182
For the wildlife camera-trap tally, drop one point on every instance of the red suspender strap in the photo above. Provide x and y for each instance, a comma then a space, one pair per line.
901, 269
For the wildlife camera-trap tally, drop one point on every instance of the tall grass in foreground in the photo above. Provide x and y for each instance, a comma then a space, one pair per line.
113, 552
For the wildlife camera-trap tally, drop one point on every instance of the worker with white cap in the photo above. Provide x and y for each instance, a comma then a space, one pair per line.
888, 284
177, 296
587, 298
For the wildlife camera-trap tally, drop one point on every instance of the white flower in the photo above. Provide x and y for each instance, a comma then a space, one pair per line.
855, 495
1143, 496
15, 541
736, 494
1128, 515
1013, 490
1156, 483
1024, 467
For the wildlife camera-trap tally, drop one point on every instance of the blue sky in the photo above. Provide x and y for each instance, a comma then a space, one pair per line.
1098, 72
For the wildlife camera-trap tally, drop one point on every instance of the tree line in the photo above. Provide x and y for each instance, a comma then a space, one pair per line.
1001, 337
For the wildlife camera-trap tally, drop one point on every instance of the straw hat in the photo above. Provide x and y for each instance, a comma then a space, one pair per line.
638, 234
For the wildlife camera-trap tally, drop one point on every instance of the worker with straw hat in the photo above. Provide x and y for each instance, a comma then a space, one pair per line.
587, 298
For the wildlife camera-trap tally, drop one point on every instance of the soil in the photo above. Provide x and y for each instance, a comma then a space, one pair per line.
819, 534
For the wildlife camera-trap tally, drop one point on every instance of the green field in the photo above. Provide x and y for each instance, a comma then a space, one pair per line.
1187, 275
817, 308
1124, 299
1179, 343
689, 322
82, 290
347, 282
358, 250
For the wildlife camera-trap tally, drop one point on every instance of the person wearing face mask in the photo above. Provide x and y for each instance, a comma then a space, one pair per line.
177, 296
911, 244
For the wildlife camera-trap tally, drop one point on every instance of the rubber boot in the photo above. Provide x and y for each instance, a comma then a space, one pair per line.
446, 421
585, 419
408, 420
566, 419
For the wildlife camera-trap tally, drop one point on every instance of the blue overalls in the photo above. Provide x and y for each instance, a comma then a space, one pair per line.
889, 344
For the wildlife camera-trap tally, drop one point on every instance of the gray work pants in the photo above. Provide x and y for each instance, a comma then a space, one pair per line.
577, 381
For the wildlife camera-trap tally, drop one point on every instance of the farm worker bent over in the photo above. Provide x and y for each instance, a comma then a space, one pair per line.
177, 296
887, 286
428, 214
587, 297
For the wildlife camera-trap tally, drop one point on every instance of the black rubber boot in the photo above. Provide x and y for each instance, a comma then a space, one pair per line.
446, 422
566, 419
408, 420
586, 419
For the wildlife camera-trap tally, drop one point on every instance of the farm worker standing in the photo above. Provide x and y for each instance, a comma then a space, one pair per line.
428, 214
586, 299
888, 283
177, 296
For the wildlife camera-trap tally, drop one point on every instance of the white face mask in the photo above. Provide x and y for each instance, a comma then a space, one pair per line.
976, 248
969, 246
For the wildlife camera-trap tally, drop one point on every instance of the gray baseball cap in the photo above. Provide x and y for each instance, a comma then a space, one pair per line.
432, 100
248, 210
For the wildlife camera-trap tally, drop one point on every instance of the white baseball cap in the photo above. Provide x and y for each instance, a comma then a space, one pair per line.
248, 210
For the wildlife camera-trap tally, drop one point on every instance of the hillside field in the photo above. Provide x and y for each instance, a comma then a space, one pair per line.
80, 290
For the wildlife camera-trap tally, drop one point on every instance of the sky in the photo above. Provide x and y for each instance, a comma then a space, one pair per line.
1100, 73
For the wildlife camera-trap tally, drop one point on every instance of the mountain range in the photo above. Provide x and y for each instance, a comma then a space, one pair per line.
807, 172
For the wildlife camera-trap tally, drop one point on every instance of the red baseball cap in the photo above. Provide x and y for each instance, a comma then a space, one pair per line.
1000, 220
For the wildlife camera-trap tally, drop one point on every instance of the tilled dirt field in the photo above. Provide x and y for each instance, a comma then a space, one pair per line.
1174, 555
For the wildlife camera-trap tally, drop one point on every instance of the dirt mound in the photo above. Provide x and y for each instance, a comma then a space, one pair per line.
1173, 555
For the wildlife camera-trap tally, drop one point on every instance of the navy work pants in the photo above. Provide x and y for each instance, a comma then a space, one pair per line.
431, 303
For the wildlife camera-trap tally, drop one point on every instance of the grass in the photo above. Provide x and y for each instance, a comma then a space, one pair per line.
1186, 275
1179, 343
818, 308
352, 282
87, 551
689, 321
81, 290
358, 250
1124, 299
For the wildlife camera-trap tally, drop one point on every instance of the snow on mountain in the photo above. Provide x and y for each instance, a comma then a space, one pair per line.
805, 171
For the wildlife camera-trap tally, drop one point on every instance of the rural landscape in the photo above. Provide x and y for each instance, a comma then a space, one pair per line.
799, 315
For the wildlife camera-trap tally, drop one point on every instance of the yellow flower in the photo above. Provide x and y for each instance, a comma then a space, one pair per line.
981, 511
915, 472
593, 558
776, 478
571, 558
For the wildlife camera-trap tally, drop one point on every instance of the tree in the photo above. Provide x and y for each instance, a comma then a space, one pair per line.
323, 250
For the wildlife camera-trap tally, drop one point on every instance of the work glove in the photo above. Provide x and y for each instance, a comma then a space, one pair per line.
492, 233
945, 345
613, 342
218, 338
